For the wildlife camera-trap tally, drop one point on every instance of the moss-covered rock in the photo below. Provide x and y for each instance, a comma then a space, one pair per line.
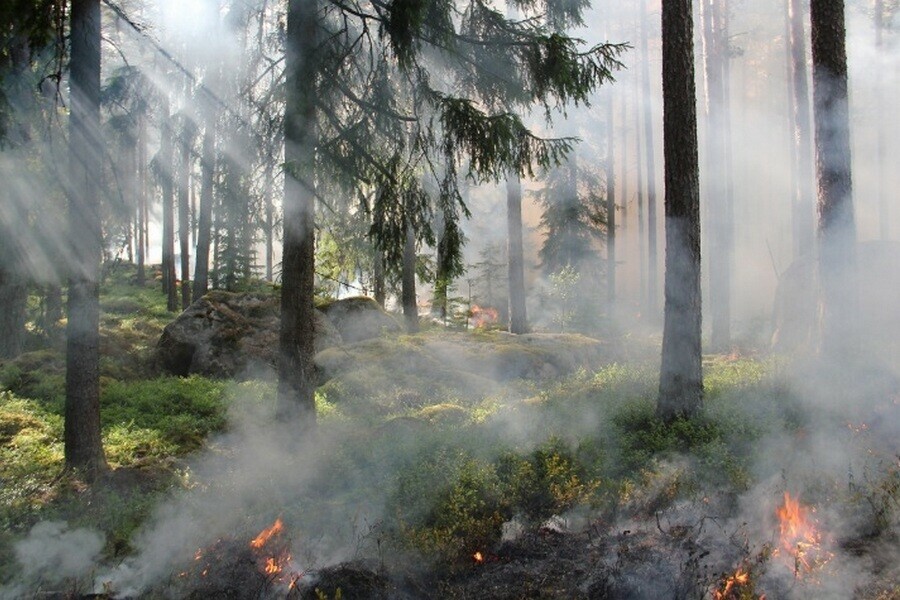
226, 334
359, 318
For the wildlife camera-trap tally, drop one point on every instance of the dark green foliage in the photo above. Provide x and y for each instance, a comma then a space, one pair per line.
644, 436
574, 218
27, 28
448, 505
548, 481
495, 144
389, 121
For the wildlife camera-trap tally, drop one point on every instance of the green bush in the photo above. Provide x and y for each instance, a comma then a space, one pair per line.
548, 481
448, 506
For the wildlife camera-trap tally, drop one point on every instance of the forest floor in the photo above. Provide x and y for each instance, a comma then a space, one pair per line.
533, 486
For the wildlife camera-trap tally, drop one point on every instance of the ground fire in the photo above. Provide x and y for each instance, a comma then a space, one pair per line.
266, 534
483, 316
736, 585
272, 560
800, 541
258, 567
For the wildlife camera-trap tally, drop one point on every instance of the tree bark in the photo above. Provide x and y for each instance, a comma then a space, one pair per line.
837, 227
408, 279
296, 368
610, 205
719, 206
184, 205
441, 277
82, 439
802, 130
518, 317
13, 300
623, 176
141, 191
204, 226
379, 286
166, 166
231, 201
270, 220
639, 155
681, 378
881, 197
652, 302
13, 218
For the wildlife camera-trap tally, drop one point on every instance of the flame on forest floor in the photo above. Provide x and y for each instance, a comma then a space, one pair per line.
478, 557
736, 585
266, 534
800, 540
273, 561
483, 316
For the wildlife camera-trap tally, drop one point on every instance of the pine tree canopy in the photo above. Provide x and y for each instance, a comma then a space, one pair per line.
439, 90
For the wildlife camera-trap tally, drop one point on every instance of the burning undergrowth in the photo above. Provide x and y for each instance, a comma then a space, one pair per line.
233, 568
575, 492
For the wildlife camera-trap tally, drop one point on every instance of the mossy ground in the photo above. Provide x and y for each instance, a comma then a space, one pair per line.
454, 454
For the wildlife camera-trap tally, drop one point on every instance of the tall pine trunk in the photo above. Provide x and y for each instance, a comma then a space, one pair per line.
296, 368
441, 278
378, 276
639, 159
270, 219
166, 166
518, 317
13, 217
837, 227
681, 378
408, 277
82, 442
141, 159
184, 206
802, 131
13, 300
623, 175
881, 198
721, 232
231, 201
610, 205
143, 209
652, 302
204, 220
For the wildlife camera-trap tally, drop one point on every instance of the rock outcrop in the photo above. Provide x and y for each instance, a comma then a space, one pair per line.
360, 318
226, 334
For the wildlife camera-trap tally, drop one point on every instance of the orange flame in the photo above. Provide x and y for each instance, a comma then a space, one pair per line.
740, 578
272, 567
483, 316
478, 557
266, 534
800, 539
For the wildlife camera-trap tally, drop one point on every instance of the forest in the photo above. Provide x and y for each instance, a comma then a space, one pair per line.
402, 299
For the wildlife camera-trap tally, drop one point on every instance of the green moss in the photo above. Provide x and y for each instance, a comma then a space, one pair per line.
182, 410
444, 414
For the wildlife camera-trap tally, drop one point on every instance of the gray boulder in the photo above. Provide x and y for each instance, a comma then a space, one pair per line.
226, 334
359, 318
